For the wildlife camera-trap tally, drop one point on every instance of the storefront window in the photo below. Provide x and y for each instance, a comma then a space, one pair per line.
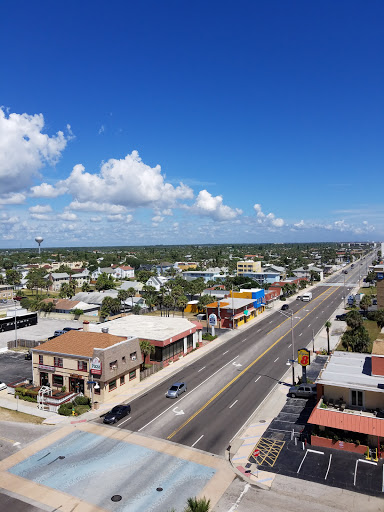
112, 385
57, 380
132, 375
122, 380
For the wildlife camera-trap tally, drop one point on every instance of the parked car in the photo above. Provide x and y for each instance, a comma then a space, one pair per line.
303, 391
342, 317
374, 302
176, 389
115, 414
3, 301
3, 386
345, 271
58, 333
298, 297
66, 329
284, 307
28, 356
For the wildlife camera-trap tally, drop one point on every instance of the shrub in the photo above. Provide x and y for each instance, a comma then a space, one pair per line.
63, 389
208, 337
81, 400
27, 398
64, 411
81, 409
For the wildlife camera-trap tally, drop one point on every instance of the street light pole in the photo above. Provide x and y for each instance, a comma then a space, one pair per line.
292, 361
14, 305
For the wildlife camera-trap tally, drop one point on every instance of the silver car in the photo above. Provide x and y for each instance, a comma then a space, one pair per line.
303, 391
176, 389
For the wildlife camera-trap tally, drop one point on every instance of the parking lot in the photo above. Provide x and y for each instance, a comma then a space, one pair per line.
44, 328
13, 367
285, 449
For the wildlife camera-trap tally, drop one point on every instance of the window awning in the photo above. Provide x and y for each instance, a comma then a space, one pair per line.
239, 315
346, 421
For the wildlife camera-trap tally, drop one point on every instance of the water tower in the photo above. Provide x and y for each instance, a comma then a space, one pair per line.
39, 239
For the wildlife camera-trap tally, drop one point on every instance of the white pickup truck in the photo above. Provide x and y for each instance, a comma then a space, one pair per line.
306, 297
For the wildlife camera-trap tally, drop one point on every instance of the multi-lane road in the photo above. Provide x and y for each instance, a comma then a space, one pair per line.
228, 384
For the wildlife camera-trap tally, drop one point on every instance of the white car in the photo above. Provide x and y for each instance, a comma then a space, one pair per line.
3, 386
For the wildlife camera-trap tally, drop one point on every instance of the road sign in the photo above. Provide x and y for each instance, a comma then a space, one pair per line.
303, 357
212, 319
256, 452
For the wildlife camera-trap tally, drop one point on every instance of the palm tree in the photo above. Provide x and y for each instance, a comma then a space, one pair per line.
327, 326
146, 348
182, 301
122, 295
198, 505
85, 287
131, 293
365, 302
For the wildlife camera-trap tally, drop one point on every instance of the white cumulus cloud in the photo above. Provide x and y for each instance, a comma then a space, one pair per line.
24, 149
212, 206
46, 190
67, 216
127, 182
93, 206
12, 198
267, 219
40, 208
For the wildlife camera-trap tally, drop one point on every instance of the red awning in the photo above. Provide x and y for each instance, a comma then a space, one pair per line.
347, 421
238, 316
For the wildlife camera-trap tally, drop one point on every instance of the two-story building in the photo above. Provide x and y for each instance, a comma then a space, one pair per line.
76, 359
124, 272
6, 292
232, 312
56, 279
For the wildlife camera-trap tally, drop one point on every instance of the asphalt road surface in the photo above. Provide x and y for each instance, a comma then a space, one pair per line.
229, 383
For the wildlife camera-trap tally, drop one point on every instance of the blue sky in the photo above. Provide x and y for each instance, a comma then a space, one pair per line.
127, 123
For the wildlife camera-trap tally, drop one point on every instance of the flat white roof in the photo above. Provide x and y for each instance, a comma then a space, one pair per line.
350, 370
145, 326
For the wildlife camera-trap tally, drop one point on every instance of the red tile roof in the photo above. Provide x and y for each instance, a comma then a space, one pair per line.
79, 343
346, 421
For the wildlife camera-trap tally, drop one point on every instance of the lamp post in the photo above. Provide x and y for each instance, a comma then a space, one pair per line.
14, 305
291, 361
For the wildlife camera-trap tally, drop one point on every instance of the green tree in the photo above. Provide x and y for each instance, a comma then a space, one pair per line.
143, 275
12, 276
136, 310
380, 318
122, 295
131, 292
365, 302
36, 304
168, 303
198, 505
327, 327
105, 282
36, 280
181, 303
147, 349
356, 340
204, 300
354, 320
86, 287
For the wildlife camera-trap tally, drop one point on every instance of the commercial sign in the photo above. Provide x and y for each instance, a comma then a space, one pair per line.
96, 366
246, 312
379, 276
46, 368
303, 357
212, 319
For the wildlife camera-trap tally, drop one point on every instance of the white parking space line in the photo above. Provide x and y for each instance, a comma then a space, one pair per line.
308, 451
197, 441
329, 465
260, 377
289, 346
201, 369
301, 334
187, 394
258, 330
125, 421
235, 402
226, 352
271, 321
276, 360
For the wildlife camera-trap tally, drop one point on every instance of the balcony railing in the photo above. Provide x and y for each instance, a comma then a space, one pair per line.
341, 406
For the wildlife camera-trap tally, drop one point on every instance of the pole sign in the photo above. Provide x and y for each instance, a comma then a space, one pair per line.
212, 320
96, 366
379, 276
303, 357
256, 452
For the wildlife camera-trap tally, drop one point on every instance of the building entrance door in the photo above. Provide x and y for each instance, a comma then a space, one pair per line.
76, 385
44, 379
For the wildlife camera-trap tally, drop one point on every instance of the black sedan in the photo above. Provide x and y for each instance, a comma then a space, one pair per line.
117, 413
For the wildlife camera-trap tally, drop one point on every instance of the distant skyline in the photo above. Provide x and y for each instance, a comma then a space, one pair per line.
147, 123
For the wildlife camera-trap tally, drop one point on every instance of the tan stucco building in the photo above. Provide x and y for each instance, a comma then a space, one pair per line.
99, 365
